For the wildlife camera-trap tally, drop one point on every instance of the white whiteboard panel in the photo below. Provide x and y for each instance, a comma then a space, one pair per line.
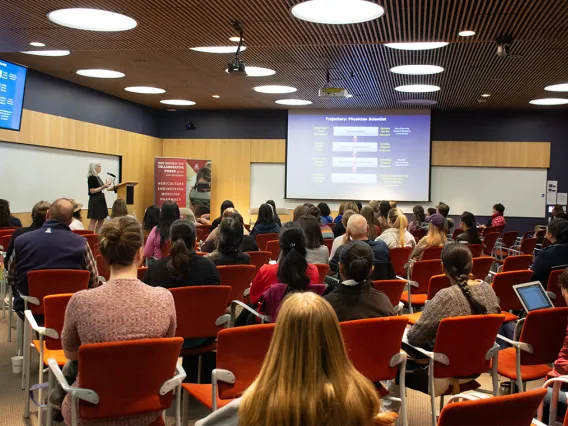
32, 173
475, 189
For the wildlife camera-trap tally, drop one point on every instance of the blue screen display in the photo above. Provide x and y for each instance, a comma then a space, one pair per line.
12, 85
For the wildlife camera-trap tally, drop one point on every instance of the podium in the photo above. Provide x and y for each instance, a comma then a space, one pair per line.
125, 190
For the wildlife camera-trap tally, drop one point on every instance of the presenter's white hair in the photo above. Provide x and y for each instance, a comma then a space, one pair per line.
92, 167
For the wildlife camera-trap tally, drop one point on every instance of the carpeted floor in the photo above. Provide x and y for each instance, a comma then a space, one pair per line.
12, 398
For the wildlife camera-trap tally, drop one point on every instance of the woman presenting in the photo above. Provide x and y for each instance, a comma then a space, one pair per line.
98, 209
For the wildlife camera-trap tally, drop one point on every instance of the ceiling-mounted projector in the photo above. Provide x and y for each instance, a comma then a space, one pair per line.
236, 67
333, 92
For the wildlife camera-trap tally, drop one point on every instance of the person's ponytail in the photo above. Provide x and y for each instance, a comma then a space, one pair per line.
292, 270
477, 307
400, 222
180, 259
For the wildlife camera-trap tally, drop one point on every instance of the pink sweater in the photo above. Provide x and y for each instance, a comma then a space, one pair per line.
152, 247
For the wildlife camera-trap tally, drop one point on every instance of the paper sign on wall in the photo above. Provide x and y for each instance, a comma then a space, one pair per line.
551, 191
562, 198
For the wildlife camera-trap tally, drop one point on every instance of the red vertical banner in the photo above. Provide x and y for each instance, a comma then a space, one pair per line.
170, 180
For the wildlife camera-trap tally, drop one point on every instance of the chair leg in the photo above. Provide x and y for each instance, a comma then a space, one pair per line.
26, 375
40, 378
402, 385
185, 410
441, 402
178, 405
199, 362
3, 291
10, 315
51, 382
494, 375
431, 391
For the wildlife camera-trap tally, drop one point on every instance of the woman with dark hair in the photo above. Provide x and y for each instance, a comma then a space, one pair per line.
497, 219
227, 204
300, 210
356, 298
373, 230
265, 223
469, 227
6, 218
228, 244
555, 254
151, 217
316, 250
325, 229
183, 267
276, 217
161, 233
419, 221
325, 213
383, 219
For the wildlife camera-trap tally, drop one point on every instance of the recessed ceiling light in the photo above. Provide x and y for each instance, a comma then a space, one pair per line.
466, 33
216, 96
337, 11
235, 39
417, 46
98, 73
145, 89
257, 71
217, 49
47, 52
486, 95
418, 102
275, 89
557, 88
417, 69
92, 19
293, 102
179, 102
417, 88
549, 101
37, 44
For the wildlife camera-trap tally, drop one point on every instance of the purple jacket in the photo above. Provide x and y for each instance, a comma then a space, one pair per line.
272, 298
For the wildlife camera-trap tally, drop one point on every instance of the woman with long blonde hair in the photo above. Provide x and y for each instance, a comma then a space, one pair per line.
307, 378
434, 238
396, 234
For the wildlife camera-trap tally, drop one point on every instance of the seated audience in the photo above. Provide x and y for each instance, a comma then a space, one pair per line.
342, 226
359, 205
383, 219
53, 246
265, 223
187, 214
325, 213
151, 218
444, 210
497, 218
434, 238
347, 205
340, 212
469, 227
76, 224
300, 210
227, 204
118, 209
555, 254
228, 244
393, 204
160, 234
557, 209
357, 231
183, 267
276, 217
268, 274
561, 215
419, 221
308, 364
368, 213
6, 218
316, 250
248, 244
356, 298
325, 229
430, 211
374, 204
396, 235
121, 309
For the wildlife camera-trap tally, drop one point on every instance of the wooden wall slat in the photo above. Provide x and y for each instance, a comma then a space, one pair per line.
268, 150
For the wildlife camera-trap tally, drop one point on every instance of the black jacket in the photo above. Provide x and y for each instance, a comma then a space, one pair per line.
554, 255
359, 301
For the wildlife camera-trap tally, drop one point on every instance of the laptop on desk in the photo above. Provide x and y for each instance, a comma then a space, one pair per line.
532, 296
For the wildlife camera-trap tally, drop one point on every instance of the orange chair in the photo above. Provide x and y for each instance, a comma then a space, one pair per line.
489, 230
380, 358
5, 240
507, 241
240, 354
457, 232
437, 283
102, 267
199, 233
93, 241
125, 378
262, 239
481, 267
418, 234
328, 243
489, 241
464, 347
507, 410
422, 271
476, 249
516, 263
238, 277
399, 258
527, 246
503, 283
541, 338
393, 289
258, 259
6, 231
201, 253
83, 231
552, 287
141, 271
322, 270
274, 248
432, 253
556, 383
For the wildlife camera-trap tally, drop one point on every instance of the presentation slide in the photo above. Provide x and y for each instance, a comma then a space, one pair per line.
12, 85
358, 155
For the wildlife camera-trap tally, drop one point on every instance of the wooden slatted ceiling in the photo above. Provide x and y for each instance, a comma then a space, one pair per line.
157, 51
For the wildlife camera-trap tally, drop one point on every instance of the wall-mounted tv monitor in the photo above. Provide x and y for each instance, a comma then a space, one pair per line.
12, 88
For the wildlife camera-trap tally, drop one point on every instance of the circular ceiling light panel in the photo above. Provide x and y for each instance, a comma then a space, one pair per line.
99, 73
417, 88
257, 71
293, 102
417, 69
145, 90
417, 46
216, 96
37, 44
275, 89
47, 52
235, 39
337, 11
486, 95
179, 102
549, 101
418, 102
466, 33
557, 88
92, 19
218, 49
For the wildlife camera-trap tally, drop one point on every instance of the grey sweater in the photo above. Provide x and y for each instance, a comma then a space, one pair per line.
226, 416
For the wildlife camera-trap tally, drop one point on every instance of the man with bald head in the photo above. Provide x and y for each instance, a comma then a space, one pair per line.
52, 246
357, 231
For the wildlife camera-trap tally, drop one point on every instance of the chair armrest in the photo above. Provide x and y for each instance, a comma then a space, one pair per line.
223, 319
49, 332
562, 379
397, 359
519, 345
515, 252
175, 381
413, 283
88, 395
102, 279
29, 299
551, 295
436, 356
492, 273
398, 277
235, 303
246, 293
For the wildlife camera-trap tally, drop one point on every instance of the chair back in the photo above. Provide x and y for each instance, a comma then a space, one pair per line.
127, 376
507, 410
422, 271
141, 271
437, 283
328, 243
102, 267
371, 356
93, 241
476, 249
322, 271
489, 230
509, 238
6, 231
46, 282
545, 331
399, 258
392, 288
5, 241
517, 263
552, 285
481, 267
457, 232
274, 248
166, 248
466, 340
241, 350
382, 271
545, 243
503, 283
541, 233
418, 234
262, 239
432, 253
54, 307
489, 241
199, 233
83, 231
238, 277
258, 259
528, 245
196, 319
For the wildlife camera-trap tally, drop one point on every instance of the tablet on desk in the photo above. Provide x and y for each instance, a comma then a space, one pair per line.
532, 296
